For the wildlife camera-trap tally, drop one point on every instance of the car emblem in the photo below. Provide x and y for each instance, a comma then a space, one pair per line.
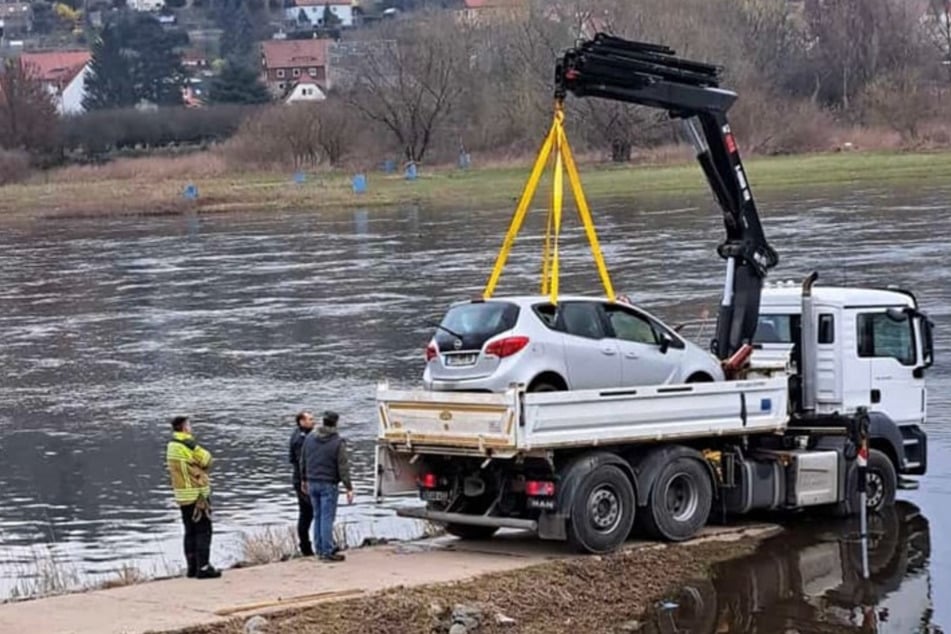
457, 344
445, 415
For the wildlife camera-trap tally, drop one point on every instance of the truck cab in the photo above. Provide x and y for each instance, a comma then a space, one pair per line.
870, 347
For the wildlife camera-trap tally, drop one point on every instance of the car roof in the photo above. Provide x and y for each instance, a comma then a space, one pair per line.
531, 300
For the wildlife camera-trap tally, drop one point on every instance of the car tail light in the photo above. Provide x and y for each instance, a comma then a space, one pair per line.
431, 352
428, 481
506, 347
539, 488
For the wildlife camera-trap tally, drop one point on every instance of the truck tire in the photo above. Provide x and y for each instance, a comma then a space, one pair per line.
679, 502
602, 512
881, 481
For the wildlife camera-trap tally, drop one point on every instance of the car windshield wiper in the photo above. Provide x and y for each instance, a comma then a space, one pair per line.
441, 327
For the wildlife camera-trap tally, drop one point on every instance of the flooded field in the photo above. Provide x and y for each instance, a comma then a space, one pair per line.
112, 326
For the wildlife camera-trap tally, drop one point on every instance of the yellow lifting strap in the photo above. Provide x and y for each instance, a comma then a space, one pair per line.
556, 141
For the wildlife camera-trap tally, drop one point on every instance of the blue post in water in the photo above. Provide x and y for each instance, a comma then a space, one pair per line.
300, 177
464, 160
360, 184
389, 166
411, 171
190, 192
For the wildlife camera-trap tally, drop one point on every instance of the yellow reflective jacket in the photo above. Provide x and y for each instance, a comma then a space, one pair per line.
188, 465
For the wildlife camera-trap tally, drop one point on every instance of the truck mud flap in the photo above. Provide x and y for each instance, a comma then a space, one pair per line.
472, 520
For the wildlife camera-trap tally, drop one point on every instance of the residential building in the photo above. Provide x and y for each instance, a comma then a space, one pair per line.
305, 90
146, 5
482, 11
64, 74
312, 12
16, 19
286, 62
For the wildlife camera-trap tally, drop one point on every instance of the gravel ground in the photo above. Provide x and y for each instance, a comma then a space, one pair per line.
587, 594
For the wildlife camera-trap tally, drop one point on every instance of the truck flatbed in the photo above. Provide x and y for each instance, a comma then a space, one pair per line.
506, 424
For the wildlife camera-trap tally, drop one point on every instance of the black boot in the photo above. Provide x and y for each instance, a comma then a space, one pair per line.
208, 572
306, 550
192, 565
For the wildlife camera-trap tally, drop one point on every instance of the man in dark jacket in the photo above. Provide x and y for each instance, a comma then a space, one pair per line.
324, 465
305, 511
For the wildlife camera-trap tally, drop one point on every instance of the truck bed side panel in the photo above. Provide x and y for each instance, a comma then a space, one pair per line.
651, 414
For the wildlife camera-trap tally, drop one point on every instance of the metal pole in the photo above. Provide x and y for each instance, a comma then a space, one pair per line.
863, 493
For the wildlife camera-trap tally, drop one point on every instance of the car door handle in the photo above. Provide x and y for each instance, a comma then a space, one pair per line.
632, 355
609, 351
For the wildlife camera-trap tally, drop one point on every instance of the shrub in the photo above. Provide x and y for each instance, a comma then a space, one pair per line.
96, 133
14, 166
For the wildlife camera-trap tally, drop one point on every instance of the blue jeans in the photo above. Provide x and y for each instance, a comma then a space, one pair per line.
323, 497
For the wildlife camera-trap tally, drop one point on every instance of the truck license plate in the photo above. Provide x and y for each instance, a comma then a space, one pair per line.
435, 496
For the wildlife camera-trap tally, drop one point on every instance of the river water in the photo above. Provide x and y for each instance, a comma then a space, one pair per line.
109, 327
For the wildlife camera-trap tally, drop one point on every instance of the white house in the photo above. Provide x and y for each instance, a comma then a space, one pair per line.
305, 90
314, 12
146, 5
64, 74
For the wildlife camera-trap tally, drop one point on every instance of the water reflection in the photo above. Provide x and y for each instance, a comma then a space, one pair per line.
809, 580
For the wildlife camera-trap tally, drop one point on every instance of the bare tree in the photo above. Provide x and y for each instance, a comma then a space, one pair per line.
337, 129
27, 113
411, 78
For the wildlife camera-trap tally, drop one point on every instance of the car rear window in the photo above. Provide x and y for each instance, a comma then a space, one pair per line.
475, 323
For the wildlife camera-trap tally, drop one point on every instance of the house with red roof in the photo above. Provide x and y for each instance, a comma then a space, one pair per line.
64, 74
287, 63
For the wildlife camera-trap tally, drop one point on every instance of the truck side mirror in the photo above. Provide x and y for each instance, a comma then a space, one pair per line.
927, 335
896, 314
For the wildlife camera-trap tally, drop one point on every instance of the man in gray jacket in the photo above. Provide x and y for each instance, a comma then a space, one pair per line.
324, 465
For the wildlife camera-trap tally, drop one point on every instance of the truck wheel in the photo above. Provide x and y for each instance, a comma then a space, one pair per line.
881, 481
602, 511
679, 502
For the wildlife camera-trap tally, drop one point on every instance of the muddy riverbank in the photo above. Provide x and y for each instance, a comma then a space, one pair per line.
613, 593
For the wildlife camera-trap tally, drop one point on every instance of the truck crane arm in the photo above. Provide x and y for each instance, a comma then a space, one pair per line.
652, 75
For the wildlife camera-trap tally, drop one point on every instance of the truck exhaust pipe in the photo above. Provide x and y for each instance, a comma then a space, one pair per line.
807, 347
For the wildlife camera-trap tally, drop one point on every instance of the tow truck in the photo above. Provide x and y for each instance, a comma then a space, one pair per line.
842, 384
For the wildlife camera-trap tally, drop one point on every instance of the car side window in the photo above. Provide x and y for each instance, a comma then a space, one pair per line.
630, 327
582, 319
880, 336
548, 313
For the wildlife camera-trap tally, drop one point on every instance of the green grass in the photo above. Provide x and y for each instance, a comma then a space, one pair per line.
450, 189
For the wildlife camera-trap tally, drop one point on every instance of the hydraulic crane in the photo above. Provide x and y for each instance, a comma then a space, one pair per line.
652, 75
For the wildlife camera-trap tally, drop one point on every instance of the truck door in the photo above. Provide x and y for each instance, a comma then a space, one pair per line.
888, 344
591, 358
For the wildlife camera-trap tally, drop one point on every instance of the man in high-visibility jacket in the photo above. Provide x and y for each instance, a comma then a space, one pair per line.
188, 465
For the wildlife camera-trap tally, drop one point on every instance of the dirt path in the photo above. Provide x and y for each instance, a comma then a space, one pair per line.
393, 588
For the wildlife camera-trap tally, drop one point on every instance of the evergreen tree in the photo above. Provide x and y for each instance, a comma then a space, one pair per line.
238, 84
133, 59
109, 83
237, 39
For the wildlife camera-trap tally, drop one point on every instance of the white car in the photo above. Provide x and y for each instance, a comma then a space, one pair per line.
582, 343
